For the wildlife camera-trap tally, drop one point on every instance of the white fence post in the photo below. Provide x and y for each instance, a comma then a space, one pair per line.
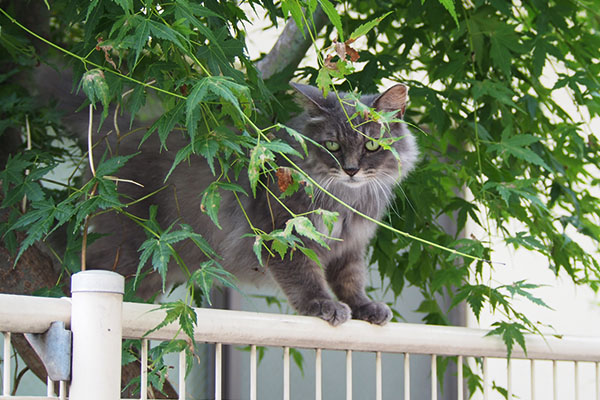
96, 323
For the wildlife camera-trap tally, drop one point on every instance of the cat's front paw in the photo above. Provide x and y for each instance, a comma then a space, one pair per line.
374, 312
331, 311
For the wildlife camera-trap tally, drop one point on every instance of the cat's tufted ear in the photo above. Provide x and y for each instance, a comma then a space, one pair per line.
392, 99
311, 98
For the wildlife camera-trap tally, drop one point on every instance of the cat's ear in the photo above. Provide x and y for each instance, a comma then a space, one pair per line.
311, 98
392, 99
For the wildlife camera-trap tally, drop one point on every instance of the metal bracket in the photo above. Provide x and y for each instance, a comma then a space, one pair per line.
54, 349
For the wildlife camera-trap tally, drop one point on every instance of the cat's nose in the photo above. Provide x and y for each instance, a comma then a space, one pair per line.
351, 170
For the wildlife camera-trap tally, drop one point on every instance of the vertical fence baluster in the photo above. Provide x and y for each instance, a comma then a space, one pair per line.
555, 380
433, 377
598, 381
6, 365
576, 378
459, 382
509, 378
318, 376
348, 374
62, 390
182, 368
486, 378
144, 371
378, 379
406, 376
50, 387
286, 373
532, 379
253, 372
218, 370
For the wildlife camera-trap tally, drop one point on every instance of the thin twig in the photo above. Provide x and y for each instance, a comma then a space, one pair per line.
28, 133
85, 234
116, 179
93, 169
18, 379
90, 142
18, 375
116, 125
116, 113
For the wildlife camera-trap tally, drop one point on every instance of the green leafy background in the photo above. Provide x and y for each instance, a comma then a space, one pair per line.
496, 145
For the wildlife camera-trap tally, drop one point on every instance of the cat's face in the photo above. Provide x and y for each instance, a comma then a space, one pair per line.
348, 155
346, 161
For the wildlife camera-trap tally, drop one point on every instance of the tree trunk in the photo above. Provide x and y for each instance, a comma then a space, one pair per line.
35, 271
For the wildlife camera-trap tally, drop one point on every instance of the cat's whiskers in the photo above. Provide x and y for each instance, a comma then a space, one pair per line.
385, 191
393, 204
393, 180
319, 194
371, 186
389, 183
386, 186
382, 188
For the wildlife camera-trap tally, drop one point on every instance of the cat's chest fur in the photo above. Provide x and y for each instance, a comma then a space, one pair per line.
348, 231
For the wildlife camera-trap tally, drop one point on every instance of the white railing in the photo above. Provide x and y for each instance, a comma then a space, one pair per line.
94, 318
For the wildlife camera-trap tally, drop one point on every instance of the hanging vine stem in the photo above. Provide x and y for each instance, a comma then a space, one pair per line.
86, 61
388, 227
476, 127
379, 223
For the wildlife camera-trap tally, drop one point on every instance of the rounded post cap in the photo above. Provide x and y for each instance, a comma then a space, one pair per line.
97, 281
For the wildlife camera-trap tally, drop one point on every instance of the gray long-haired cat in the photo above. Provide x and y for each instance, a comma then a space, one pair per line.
347, 163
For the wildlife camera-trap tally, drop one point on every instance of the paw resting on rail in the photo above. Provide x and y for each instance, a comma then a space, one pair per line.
374, 312
332, 311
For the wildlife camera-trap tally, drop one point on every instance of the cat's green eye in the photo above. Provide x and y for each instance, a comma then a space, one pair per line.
332, 146
372, 145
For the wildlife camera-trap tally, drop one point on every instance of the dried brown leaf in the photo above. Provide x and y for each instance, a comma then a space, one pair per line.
330, 64
340, 49
106, 49
353, 54
284, 178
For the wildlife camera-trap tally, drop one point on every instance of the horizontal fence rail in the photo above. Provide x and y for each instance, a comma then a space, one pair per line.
242, 328
21, 314
25, 314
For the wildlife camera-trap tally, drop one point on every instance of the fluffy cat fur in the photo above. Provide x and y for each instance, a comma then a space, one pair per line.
364, 179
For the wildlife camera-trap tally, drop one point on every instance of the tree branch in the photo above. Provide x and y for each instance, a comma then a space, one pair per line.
290, 48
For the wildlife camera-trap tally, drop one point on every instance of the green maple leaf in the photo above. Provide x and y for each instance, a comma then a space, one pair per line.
516, 146
511, 333
303, 226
